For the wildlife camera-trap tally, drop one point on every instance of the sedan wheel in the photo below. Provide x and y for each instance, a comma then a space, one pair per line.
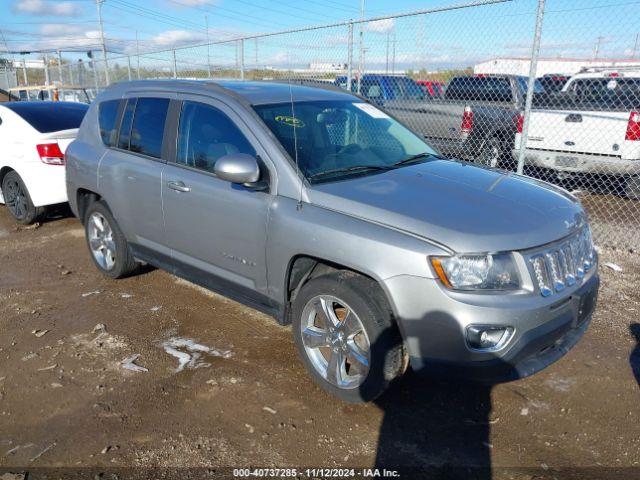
335, 341
101, 242
15, 199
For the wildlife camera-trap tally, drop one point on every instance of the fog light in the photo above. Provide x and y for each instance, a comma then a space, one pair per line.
486, 337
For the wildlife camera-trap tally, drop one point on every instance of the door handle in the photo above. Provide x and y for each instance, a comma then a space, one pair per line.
178, 186
573, 118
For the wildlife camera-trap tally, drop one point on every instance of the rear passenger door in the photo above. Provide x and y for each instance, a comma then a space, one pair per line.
216, 229
131, 171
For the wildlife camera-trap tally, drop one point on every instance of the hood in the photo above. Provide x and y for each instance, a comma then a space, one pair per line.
464, 207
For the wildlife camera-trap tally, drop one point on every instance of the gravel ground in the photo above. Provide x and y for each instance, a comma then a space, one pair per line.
243, 399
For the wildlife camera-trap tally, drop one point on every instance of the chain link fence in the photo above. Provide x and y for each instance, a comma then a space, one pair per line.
548, 88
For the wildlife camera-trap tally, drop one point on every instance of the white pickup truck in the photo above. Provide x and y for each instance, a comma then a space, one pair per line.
591, 129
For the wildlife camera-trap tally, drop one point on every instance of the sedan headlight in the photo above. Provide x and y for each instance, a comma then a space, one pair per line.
477, 272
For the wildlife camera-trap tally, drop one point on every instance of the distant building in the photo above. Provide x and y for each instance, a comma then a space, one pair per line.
327, 67
35, 63
565, 66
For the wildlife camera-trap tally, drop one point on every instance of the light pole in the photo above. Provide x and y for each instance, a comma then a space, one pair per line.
206, 21
104, 48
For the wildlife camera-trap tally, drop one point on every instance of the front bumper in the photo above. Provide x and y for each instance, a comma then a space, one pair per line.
434, 321
579, 162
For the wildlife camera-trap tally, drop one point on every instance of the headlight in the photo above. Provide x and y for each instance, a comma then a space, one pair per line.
477, 272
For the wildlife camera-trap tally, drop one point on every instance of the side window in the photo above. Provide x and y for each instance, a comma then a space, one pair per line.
147, 130
107, 116
125, 124
205, 134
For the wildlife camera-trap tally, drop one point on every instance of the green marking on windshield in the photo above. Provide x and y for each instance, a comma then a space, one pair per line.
290, 121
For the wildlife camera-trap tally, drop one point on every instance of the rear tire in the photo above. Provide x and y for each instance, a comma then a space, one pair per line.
107, 244
632, 187
18, 201
491, 153
357, 353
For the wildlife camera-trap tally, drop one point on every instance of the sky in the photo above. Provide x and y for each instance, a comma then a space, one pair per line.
571, 28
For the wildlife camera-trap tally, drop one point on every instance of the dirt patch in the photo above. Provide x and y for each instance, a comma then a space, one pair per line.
67, 400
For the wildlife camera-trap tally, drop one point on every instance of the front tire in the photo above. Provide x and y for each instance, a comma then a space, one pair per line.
18, 201
347, 338
108, 246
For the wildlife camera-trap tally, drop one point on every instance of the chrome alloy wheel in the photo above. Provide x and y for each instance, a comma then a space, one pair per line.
335, 341
101, 242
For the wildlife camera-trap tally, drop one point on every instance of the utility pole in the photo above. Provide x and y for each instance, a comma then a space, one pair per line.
206, 21
361, 53
104, 48
597, 50
137, 55
635, 46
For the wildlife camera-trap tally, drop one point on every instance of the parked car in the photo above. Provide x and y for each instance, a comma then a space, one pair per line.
589, 131
474, 120
431, 89
553, 82
318, 208
379, 89
34, 137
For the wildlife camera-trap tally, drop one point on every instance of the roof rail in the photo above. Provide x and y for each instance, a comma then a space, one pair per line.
603, 68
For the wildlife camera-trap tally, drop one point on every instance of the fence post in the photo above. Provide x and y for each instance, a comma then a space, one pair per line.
535, 52
175, 65
241, 46
24, 72
350, 56
95, 75
129, 67
61, 92
46, 70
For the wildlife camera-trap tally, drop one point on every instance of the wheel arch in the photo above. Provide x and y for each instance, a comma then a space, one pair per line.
3, 173
303, 267
84, 199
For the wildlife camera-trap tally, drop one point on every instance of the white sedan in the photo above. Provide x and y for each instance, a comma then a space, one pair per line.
33, 139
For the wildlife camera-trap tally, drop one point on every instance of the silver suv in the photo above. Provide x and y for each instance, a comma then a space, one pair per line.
316, 207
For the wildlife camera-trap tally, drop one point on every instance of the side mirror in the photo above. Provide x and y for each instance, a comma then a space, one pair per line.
237, 168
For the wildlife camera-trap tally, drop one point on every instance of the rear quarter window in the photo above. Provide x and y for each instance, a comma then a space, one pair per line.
147, 130
107, 118
47, 117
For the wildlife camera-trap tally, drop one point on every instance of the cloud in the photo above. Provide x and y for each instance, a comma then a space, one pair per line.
47, 8
59, 29
381, 26
175, 38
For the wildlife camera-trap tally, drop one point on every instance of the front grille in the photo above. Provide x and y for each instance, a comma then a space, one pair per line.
563, 264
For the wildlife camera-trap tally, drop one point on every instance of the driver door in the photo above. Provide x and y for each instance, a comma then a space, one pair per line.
215, 229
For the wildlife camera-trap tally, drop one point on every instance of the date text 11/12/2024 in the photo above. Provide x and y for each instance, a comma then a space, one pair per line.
315, 472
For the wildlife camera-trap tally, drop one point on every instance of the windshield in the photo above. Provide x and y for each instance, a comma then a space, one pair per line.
331, 137
523, 83
404, 88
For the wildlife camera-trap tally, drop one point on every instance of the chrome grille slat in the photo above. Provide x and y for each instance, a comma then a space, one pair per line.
563, 264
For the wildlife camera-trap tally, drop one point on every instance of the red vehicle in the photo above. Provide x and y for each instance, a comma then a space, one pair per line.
431, 88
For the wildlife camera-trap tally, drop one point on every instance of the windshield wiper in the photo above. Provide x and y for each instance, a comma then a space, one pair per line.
413, 158
354, 168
